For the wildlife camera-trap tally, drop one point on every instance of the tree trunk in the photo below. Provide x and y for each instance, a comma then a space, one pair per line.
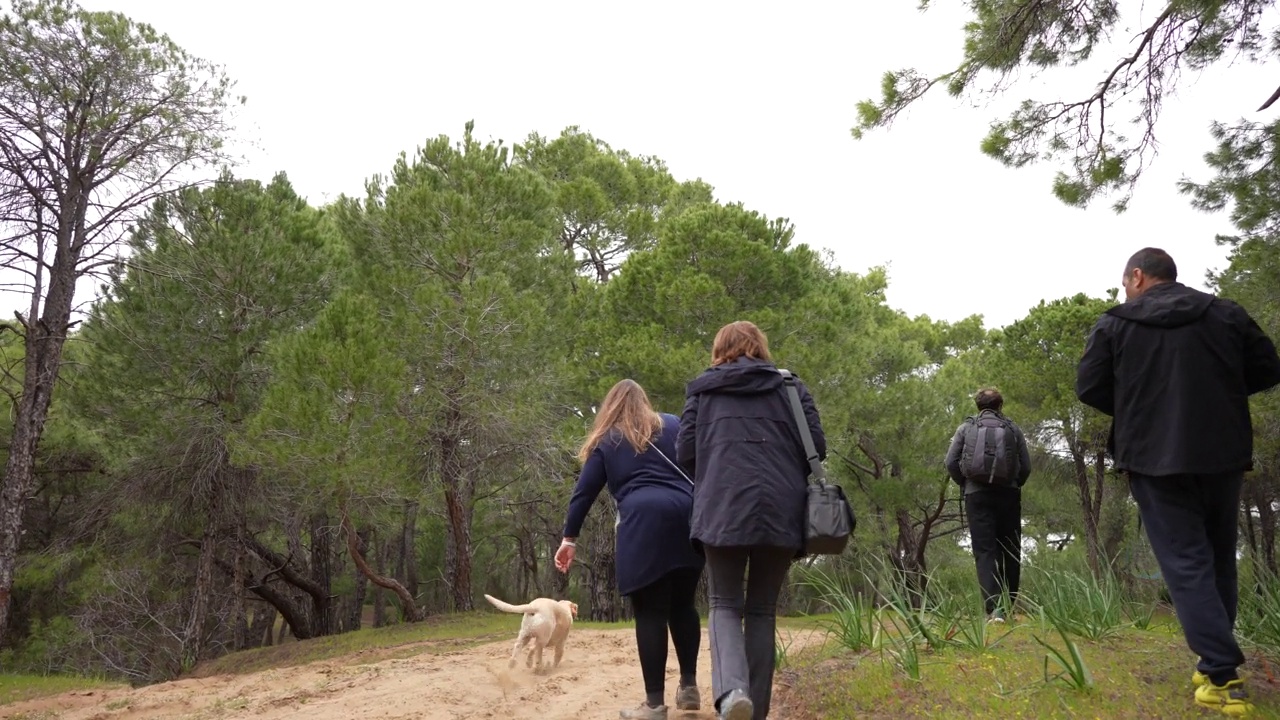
529, 549
1251, 536
459, 496
264, 620
602, 580
408, 608
522, 567
357, 609
193, 637
289, 607
407, 566
914, 535
43, 340
1262, 499
379, 595
785, 599
909, 559
301, 622
323, 616
1088, 503
559, 580
239, 619
458, 559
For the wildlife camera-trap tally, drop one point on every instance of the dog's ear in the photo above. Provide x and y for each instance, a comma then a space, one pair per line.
574, 607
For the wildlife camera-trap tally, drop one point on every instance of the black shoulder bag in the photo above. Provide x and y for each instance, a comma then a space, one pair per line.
829, 518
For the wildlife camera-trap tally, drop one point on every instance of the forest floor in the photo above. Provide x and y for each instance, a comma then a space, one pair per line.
457, 668
448, 679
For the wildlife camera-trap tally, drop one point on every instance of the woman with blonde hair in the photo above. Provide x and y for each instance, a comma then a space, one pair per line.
739, 441
631, 449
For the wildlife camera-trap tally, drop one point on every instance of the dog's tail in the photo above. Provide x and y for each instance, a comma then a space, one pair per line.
507, 607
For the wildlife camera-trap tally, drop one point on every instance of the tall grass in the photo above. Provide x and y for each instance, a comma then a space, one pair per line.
1073, 672
853, 621
872, 608
965, 622
1081, 604
1258, 615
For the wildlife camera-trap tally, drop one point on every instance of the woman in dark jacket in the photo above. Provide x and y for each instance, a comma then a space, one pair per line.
738, 440
631, 449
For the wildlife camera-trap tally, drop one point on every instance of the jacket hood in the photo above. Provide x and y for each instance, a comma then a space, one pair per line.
744, 376
1166, 305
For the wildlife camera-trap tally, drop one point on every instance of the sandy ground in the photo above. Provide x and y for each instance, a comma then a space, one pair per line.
598, 676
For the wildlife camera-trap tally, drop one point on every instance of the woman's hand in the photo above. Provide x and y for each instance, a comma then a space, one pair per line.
564, 556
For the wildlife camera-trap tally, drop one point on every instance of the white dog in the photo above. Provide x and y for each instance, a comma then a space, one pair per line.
546, 623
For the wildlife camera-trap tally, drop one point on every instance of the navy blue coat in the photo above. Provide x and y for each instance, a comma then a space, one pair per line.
654, 502
739, 442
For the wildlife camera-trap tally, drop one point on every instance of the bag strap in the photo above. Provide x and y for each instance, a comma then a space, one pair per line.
673, 465
818, 473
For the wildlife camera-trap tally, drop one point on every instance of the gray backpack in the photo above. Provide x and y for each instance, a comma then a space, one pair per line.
990, 452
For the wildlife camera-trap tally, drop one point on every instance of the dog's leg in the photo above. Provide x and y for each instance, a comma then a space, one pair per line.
559, 653
521, 639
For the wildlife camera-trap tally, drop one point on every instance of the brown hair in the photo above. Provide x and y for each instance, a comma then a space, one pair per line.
737, 339
626, 408
989, 399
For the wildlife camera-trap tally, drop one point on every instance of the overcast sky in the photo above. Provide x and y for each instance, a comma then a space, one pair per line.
755, 98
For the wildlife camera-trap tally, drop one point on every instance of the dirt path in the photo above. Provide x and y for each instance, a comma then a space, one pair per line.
599, 676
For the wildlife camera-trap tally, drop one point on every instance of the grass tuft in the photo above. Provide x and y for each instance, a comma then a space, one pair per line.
18, 688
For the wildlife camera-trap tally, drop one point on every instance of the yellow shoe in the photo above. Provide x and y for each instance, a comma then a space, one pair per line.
1198, 678
1231, 699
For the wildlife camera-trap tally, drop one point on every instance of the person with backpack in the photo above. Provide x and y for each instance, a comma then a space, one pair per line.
988, 457
1174, 367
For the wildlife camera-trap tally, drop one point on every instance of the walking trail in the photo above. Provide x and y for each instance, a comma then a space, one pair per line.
599, 675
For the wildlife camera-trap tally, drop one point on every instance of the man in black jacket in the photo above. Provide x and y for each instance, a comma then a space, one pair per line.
988, 457
1175, 367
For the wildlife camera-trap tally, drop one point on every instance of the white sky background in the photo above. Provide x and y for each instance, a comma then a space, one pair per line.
755, 98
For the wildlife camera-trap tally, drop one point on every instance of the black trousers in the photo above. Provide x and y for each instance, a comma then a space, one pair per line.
995, 529
1191, 523
667, 604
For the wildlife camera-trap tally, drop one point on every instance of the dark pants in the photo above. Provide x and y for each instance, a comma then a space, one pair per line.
1191, 523
743, 626
995, 529
662, 605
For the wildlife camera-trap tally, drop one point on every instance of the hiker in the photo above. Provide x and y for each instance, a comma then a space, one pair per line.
1174, 367
632, 450
740, 443
988, 458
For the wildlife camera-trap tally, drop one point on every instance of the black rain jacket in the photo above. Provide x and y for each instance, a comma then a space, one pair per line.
1175, 367
739, 442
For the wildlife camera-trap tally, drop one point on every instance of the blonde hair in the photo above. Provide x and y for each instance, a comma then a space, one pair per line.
737, 339
626, 408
